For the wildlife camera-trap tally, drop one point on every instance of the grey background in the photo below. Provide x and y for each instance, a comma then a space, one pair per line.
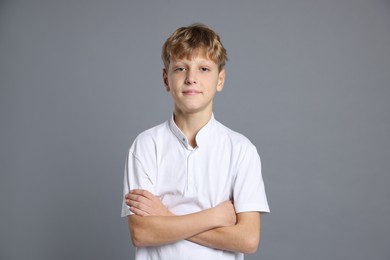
307, 82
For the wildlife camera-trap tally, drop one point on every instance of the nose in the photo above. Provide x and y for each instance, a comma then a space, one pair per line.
191, 77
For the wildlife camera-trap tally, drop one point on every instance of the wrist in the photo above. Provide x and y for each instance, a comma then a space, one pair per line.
216, 218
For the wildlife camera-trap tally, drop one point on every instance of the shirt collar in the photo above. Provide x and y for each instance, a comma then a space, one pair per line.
201, 137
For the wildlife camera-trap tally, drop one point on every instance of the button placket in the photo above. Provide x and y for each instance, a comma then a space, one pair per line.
190, 172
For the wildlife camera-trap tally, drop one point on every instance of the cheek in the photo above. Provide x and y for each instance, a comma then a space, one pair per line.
174, 92
174, 89
173, 83
214, 86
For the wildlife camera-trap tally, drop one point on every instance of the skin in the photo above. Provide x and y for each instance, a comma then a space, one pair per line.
192, 84
241, 232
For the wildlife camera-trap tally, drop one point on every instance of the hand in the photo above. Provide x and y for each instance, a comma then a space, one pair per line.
226, 213
144, 203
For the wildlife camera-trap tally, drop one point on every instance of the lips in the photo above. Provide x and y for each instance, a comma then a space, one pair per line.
191, 92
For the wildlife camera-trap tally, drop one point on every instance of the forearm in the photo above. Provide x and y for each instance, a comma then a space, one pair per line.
242, 237
159, 230
153, 224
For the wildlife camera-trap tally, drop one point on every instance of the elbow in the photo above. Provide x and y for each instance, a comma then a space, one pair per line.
136, 233
250, 250
136, 242
137, 237
250, 245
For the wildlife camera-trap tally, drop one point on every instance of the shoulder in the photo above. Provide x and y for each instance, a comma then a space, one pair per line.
147, 139
239, 145
237, 139
153, 132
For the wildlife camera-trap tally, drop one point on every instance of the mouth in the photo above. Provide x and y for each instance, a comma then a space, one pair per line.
191, 92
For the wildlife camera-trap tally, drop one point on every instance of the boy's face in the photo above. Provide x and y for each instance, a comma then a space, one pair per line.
193, 83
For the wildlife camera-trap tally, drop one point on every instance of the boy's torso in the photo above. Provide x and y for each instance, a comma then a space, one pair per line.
190, 179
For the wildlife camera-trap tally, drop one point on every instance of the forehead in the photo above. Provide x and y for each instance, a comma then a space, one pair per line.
196, 57
197, 54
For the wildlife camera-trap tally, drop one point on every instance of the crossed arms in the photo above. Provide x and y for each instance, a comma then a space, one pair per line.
219, 227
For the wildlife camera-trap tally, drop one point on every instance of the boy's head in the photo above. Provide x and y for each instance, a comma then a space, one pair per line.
195, 39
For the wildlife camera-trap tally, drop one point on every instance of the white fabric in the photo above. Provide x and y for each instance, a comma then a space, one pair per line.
224, 165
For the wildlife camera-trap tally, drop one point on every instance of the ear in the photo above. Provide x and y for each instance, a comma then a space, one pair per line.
165, 80
221, 80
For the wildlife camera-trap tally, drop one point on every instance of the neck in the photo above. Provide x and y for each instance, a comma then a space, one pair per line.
190, 124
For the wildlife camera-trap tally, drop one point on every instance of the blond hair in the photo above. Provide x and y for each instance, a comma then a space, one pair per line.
188, 41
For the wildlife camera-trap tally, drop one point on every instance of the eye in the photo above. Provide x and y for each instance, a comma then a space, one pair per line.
179, 69
204, 69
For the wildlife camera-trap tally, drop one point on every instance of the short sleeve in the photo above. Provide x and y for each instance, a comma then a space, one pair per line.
135, 177
248, 189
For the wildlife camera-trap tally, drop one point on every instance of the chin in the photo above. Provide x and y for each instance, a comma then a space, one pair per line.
194, 108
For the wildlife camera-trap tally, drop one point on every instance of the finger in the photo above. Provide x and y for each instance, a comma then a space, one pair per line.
141, 199
138, 212
127, 195
128, 201
139, 205
151, 201
143, 193
137, 191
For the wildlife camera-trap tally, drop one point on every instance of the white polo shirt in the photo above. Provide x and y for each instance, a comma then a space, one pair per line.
224, 166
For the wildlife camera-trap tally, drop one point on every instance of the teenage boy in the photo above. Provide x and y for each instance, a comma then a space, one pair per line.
193, 188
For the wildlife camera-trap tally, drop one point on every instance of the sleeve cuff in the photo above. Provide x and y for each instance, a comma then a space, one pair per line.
251, 207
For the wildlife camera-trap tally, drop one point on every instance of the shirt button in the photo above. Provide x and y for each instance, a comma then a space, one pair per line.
184, 139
